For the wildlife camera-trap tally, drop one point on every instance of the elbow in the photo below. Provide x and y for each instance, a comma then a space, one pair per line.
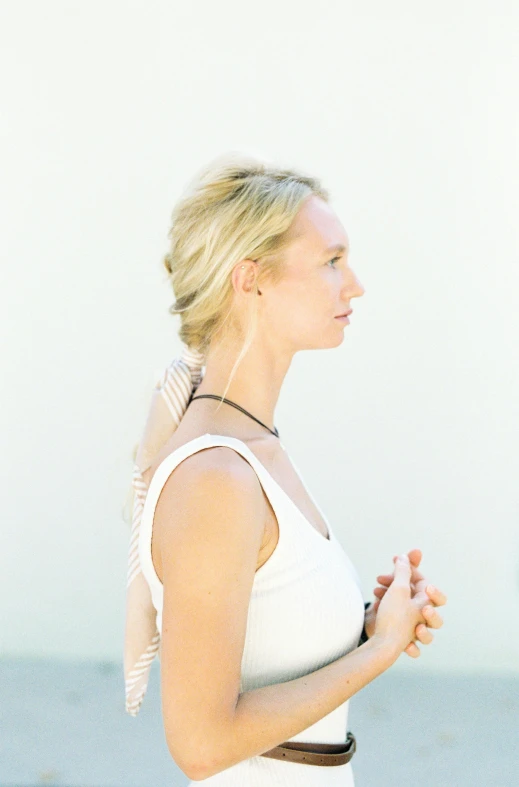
193, 772
201, 745
198, 771
189, 768
196, 762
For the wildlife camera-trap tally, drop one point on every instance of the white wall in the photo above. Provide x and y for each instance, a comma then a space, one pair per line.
409, 114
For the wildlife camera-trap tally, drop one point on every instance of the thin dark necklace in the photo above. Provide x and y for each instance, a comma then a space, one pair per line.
222, 399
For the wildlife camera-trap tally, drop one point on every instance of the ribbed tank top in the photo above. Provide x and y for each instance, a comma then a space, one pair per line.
306, 610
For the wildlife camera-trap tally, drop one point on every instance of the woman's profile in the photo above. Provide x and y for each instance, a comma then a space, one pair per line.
236, 579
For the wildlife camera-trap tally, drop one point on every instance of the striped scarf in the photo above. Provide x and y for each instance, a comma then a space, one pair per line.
142, 638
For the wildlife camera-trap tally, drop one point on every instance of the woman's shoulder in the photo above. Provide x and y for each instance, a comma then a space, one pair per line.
208, 463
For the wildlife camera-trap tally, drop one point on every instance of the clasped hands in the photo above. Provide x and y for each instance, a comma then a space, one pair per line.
419, 585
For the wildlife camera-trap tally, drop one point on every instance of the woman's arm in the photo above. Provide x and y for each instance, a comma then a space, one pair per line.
267, 716
208, 560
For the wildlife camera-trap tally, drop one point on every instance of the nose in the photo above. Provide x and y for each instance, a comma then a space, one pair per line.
353, 288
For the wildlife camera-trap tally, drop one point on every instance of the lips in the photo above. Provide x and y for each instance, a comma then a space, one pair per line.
346, 314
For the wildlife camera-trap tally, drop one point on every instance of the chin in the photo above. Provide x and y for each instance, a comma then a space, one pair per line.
338, 340
324, 342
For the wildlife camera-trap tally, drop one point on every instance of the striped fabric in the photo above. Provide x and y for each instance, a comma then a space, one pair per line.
168, 405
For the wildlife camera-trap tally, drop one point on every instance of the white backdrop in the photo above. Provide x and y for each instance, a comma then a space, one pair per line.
409, 114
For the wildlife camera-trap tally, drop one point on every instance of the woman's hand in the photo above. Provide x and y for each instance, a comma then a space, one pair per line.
418, 584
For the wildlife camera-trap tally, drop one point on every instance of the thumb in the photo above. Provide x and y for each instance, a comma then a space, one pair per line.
402, 570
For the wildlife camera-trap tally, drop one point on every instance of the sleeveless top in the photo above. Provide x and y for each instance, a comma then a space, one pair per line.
306, 610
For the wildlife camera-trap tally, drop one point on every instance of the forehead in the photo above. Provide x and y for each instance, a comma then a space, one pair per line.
318, 230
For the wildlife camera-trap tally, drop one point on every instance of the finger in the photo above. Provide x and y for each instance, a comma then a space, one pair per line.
420, 585
436, 595
423, 634
379, 592
429, 613
416, 575
432, 617
386, 579
415, 556
412, 650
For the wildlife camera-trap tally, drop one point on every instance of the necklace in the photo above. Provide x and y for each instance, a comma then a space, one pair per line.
227, 401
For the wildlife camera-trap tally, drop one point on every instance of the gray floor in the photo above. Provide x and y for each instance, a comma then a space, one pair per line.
64, 723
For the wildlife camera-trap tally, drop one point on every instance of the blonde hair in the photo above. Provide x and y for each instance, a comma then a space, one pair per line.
237, 207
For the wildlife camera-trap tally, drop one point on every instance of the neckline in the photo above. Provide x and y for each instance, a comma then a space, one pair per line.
280, 488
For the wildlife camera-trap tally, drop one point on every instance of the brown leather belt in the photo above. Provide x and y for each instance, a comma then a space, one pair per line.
315, 753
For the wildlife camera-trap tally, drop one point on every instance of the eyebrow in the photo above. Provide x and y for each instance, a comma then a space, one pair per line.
336, 247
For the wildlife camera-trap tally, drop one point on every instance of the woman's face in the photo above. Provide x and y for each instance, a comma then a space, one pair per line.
318, 284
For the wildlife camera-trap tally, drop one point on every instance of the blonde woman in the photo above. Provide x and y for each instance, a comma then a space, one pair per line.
237, 580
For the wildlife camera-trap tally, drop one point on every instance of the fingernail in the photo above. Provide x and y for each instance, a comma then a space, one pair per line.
431, 589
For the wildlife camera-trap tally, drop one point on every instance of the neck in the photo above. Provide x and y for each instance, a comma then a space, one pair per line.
255, 385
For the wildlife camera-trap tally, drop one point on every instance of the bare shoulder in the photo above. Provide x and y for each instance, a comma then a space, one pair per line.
212, 490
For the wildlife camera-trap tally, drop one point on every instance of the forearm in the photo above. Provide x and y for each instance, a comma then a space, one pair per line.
267, 716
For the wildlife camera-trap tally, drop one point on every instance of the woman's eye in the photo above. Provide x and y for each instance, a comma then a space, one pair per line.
333, 260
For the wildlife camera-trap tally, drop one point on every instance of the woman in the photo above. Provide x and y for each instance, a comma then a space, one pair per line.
234, 572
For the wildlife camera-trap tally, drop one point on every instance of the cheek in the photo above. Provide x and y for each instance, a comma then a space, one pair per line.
299, 313
292, 301
299, 304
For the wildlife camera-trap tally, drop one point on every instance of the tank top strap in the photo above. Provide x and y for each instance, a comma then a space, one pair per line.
164, 470
269, 485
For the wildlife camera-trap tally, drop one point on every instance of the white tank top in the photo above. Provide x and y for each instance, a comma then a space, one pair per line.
306, 610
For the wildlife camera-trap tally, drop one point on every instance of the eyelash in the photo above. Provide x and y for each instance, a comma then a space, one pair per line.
333, 259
